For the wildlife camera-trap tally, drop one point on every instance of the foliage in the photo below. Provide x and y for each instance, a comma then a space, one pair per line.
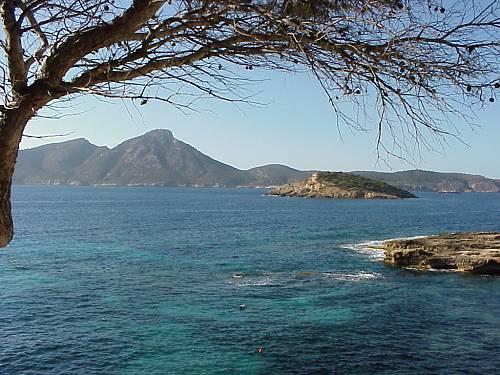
348, 181
410, 62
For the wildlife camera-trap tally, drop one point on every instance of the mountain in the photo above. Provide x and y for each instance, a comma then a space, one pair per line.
341, 186
57, 163
153, 159
419, 180
277, 174
158, 159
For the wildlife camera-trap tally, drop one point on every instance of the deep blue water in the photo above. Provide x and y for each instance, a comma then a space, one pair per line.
142, 281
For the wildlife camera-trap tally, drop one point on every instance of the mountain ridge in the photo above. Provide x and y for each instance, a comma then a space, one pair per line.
445, 182
157, 158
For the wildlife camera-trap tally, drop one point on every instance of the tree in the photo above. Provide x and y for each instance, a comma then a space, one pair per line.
412, 60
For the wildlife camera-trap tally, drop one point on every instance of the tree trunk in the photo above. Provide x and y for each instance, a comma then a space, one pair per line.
11, 130
12, 124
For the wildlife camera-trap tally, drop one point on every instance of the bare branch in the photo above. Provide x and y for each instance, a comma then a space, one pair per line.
13, 46
75, 47
405, 69
47, 136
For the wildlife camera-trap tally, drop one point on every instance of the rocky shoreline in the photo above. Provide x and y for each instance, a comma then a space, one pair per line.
475, 252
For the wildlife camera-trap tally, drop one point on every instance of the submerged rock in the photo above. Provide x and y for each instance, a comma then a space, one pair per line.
341, 186
465, 252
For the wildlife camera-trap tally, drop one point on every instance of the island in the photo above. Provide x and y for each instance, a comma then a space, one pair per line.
340, 185
476, 252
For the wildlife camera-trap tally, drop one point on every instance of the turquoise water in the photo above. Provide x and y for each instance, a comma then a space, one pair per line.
145, 281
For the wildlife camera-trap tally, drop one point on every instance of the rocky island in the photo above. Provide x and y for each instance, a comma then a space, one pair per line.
341, 186
477, 253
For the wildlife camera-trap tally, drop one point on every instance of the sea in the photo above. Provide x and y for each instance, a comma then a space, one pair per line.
131, 280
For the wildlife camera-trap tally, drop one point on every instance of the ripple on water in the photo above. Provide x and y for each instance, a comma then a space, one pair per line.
154, 285
281, 279
354, 276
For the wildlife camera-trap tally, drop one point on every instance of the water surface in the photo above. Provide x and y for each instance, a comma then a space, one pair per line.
142, 281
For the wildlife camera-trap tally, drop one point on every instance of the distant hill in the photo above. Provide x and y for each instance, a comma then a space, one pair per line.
57, 163
158, 159
340, 185
277, 174
418, 180
153, 159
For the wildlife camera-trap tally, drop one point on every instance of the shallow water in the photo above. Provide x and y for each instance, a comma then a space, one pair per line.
150, 280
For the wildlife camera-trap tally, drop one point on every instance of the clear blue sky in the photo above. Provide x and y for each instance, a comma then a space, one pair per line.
297, 128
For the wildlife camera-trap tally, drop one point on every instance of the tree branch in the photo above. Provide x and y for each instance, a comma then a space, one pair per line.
13, 47
76, 46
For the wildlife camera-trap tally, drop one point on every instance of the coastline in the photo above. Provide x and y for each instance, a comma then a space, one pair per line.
467, 252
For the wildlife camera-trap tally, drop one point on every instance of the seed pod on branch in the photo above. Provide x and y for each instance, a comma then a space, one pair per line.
414, 65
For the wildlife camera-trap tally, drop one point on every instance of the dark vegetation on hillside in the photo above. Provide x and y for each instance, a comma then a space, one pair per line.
348, 181
419, 180
158, 159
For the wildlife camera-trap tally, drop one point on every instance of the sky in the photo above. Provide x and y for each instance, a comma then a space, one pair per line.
295, 127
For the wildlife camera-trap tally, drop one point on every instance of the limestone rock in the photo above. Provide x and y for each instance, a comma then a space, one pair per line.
477, 252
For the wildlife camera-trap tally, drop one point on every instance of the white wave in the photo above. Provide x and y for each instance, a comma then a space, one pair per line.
367, 248
260, 279
404, 238
356, 276
430, 269
278, 279
263, 281
373, 249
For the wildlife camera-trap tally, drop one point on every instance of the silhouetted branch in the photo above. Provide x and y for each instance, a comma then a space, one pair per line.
409, 67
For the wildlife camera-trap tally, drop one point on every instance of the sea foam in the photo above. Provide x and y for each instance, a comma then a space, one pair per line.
353, 276
373, 249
